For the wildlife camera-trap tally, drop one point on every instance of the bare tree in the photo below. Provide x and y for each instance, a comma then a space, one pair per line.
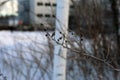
92, 45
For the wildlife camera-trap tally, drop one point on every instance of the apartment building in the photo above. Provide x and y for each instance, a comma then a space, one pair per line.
42, 12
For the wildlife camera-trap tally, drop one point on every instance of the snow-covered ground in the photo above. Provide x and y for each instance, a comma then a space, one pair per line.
21, 55
26, 56
11, 38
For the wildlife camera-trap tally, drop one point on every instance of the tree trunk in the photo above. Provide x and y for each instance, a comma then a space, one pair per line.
60, 53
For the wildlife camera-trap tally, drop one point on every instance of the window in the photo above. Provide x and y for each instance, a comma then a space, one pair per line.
39, 15
54, 4
47, 15
41, 24
53, 16
72, 6
47, 4
39, 3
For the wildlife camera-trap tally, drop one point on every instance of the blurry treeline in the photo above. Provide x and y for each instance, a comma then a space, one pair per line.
96, 22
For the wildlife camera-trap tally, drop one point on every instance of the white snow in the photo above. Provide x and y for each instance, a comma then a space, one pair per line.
20, 50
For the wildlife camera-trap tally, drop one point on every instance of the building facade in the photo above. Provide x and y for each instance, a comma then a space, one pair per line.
42, 12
